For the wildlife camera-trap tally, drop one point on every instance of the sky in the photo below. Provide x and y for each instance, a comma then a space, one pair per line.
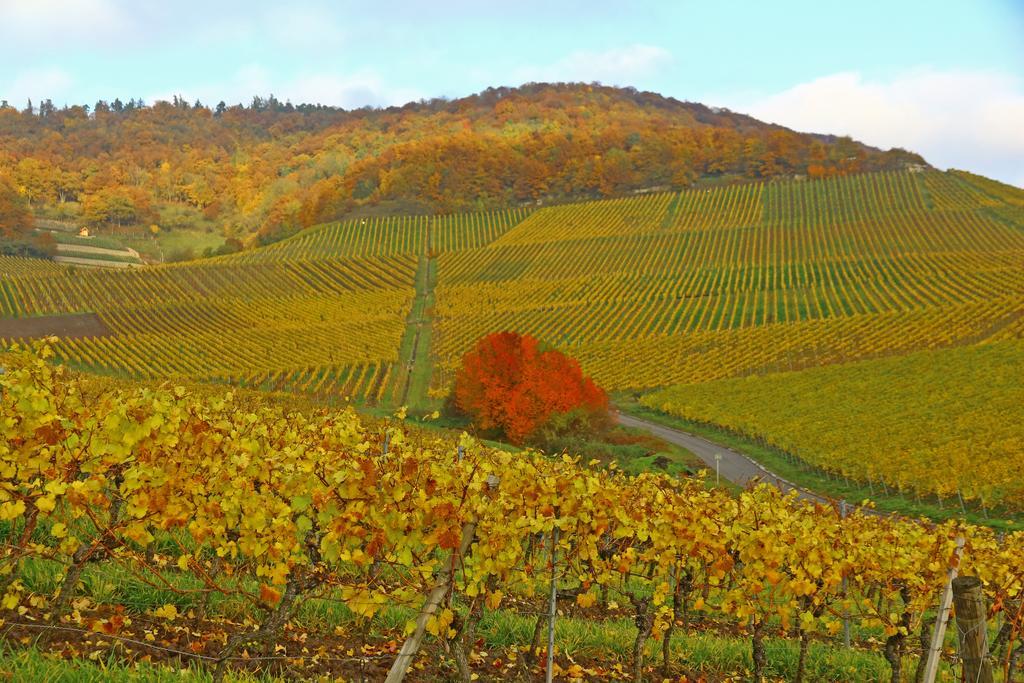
944, 78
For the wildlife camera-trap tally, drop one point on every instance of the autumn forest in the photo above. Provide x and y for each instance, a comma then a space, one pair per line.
267, 169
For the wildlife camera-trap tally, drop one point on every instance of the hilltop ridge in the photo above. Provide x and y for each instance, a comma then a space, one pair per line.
268, 169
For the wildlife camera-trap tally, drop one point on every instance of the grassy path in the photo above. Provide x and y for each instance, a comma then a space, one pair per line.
420, 365
414, 362
97, 262
98, 251
399, 389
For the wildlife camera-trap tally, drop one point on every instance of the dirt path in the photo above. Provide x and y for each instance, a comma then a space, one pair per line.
71, 325
96, 263
732, 466
83, 249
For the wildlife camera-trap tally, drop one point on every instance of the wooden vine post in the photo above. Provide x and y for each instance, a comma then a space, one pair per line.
552, 608
846, 611
942, 618
972, 629
412, 644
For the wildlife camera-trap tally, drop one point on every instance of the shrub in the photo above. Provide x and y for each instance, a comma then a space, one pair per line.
512, 385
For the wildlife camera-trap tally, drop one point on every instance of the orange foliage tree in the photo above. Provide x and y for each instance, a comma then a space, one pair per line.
513, 384
15, 216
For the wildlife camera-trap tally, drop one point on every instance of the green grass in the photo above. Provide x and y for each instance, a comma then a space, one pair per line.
635, 451
408, 388
577, 638
651, 455
55, 221
101, 242
30, 664
811, 478
168, 243
398, 391
605, 641
422, 369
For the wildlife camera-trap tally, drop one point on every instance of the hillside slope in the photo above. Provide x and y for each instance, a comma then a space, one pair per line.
946, 423
749, 279
648, 291
659, 289
272, 168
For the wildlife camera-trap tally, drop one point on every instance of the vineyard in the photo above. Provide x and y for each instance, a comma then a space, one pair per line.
241, 532
750, 279
903, 421
323, 313
385, 236
647, 291
325, 327
244, 537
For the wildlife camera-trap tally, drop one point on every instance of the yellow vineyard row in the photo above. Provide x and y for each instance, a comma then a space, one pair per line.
276, 508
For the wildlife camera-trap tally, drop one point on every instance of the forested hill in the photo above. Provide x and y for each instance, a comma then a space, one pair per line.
270, 168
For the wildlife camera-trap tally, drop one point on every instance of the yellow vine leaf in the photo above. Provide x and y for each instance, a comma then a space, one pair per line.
168, 612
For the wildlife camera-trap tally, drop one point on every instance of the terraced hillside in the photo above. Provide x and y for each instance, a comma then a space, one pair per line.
653, 290
715, 283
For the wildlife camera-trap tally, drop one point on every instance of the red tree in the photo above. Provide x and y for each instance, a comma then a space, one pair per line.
509, 382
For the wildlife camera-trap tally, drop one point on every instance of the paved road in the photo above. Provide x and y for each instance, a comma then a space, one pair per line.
733, 466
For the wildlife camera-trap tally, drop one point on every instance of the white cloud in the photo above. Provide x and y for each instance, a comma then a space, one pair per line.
957, 118
617, 66
37, 84
42, 23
